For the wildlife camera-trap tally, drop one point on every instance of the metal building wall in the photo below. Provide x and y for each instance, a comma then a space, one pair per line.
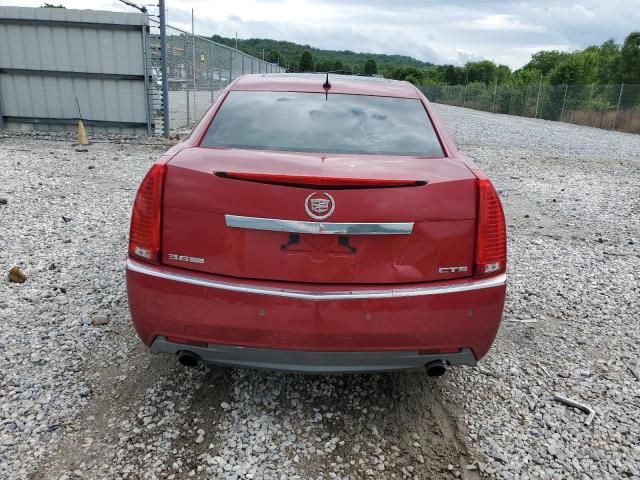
51, 56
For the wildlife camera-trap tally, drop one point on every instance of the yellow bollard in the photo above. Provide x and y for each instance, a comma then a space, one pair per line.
83, 139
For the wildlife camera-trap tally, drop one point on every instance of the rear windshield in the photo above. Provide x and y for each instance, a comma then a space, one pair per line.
311, 122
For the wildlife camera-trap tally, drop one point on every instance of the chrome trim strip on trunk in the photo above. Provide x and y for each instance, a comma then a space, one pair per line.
383, 292
320, 228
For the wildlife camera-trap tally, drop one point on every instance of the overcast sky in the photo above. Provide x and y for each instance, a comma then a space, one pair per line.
453, 31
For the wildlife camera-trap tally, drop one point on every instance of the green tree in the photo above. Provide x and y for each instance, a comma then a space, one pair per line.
484, 71
411, 79
608, 68
546, 60
410, 74
567, 72
525, 76
503, 74
306, 62
324, 66
337, 66
273, 56
630, 59
370, 67
452, 75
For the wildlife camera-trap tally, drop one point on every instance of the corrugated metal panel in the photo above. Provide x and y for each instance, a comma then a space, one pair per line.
51, 97
47, 41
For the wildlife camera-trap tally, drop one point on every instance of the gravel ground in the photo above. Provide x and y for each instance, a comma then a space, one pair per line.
81, 398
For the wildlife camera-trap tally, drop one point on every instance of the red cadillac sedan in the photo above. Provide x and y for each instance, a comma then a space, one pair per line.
318, 224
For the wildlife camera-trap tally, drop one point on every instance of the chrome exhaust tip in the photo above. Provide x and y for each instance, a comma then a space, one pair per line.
188, 359
437, 368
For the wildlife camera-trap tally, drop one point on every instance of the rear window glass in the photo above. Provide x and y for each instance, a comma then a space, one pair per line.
311, 122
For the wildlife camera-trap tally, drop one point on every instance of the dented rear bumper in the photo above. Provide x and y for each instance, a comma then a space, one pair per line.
171, 306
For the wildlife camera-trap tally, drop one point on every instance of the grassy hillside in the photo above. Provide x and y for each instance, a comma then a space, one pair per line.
290, 54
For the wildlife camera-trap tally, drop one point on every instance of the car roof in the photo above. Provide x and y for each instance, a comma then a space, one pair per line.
313, 82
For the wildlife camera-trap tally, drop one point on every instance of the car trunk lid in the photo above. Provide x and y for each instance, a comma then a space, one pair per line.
263, 215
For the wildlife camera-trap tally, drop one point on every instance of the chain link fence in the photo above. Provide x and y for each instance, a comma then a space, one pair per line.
615, 107
198, 69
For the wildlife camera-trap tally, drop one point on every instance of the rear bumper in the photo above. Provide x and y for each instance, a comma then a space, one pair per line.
312, 362
300, 327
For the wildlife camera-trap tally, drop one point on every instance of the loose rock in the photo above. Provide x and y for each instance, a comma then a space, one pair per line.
16, 275
99, 320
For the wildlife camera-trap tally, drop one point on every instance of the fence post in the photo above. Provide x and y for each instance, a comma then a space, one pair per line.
510, 100
230, 64
1, 119
495, 92
564, 101
211, 70
242, 57
615, 122
486, 105
590, 107
193, 44
145, 68
165, 74
464, 98
538, 99
186, 76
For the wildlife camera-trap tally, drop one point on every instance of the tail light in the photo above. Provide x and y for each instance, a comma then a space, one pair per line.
491, 237
144, 235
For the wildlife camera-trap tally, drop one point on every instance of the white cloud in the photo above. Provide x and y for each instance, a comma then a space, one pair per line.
503, 22
438, 31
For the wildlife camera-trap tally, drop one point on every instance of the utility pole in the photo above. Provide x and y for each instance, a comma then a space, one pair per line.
236, 40
165, 74
263, 54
